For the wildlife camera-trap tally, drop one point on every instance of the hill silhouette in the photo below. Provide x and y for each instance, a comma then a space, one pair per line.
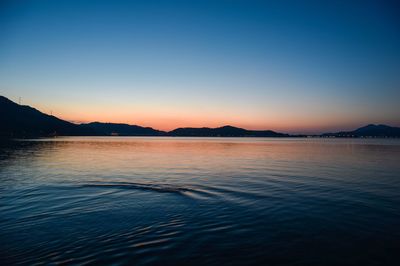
21, 121
107, 129
225, 131
368, 131
24, 121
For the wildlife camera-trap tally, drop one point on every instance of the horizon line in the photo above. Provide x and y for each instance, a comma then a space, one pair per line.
290, 132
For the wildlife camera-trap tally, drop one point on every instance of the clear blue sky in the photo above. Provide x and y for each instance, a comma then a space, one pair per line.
295, 66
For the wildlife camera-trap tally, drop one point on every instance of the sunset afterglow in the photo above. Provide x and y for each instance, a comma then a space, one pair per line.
167, 64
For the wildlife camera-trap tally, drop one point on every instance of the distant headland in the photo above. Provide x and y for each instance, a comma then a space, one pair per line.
21, 121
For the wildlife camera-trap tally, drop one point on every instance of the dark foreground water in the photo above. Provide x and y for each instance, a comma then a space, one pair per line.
169, 201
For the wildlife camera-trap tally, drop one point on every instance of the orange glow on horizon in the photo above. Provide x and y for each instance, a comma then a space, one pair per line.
168, 122
170, 118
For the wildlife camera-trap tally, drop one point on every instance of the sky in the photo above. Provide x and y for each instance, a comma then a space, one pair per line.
291, 66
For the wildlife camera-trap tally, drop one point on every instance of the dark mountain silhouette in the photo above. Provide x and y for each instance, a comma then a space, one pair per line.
368, 131
107, 129
225, 131
24, 121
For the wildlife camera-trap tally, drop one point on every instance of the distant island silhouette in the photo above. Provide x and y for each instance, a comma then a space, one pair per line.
21, 121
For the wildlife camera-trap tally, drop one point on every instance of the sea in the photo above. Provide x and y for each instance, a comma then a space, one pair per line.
199, 201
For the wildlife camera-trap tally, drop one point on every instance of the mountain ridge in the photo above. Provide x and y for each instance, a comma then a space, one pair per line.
370, 130
224, 131
121, 129
23, 121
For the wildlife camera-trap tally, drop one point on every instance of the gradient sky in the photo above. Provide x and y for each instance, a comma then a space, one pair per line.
293, 66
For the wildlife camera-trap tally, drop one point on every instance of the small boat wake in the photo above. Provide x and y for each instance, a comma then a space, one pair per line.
186, 190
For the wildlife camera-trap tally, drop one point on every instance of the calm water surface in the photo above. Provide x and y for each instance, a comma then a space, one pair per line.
203, 201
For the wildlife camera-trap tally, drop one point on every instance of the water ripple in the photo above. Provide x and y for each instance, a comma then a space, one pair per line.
138, 201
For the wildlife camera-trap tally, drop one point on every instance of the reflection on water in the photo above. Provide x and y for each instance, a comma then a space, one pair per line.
236, 201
